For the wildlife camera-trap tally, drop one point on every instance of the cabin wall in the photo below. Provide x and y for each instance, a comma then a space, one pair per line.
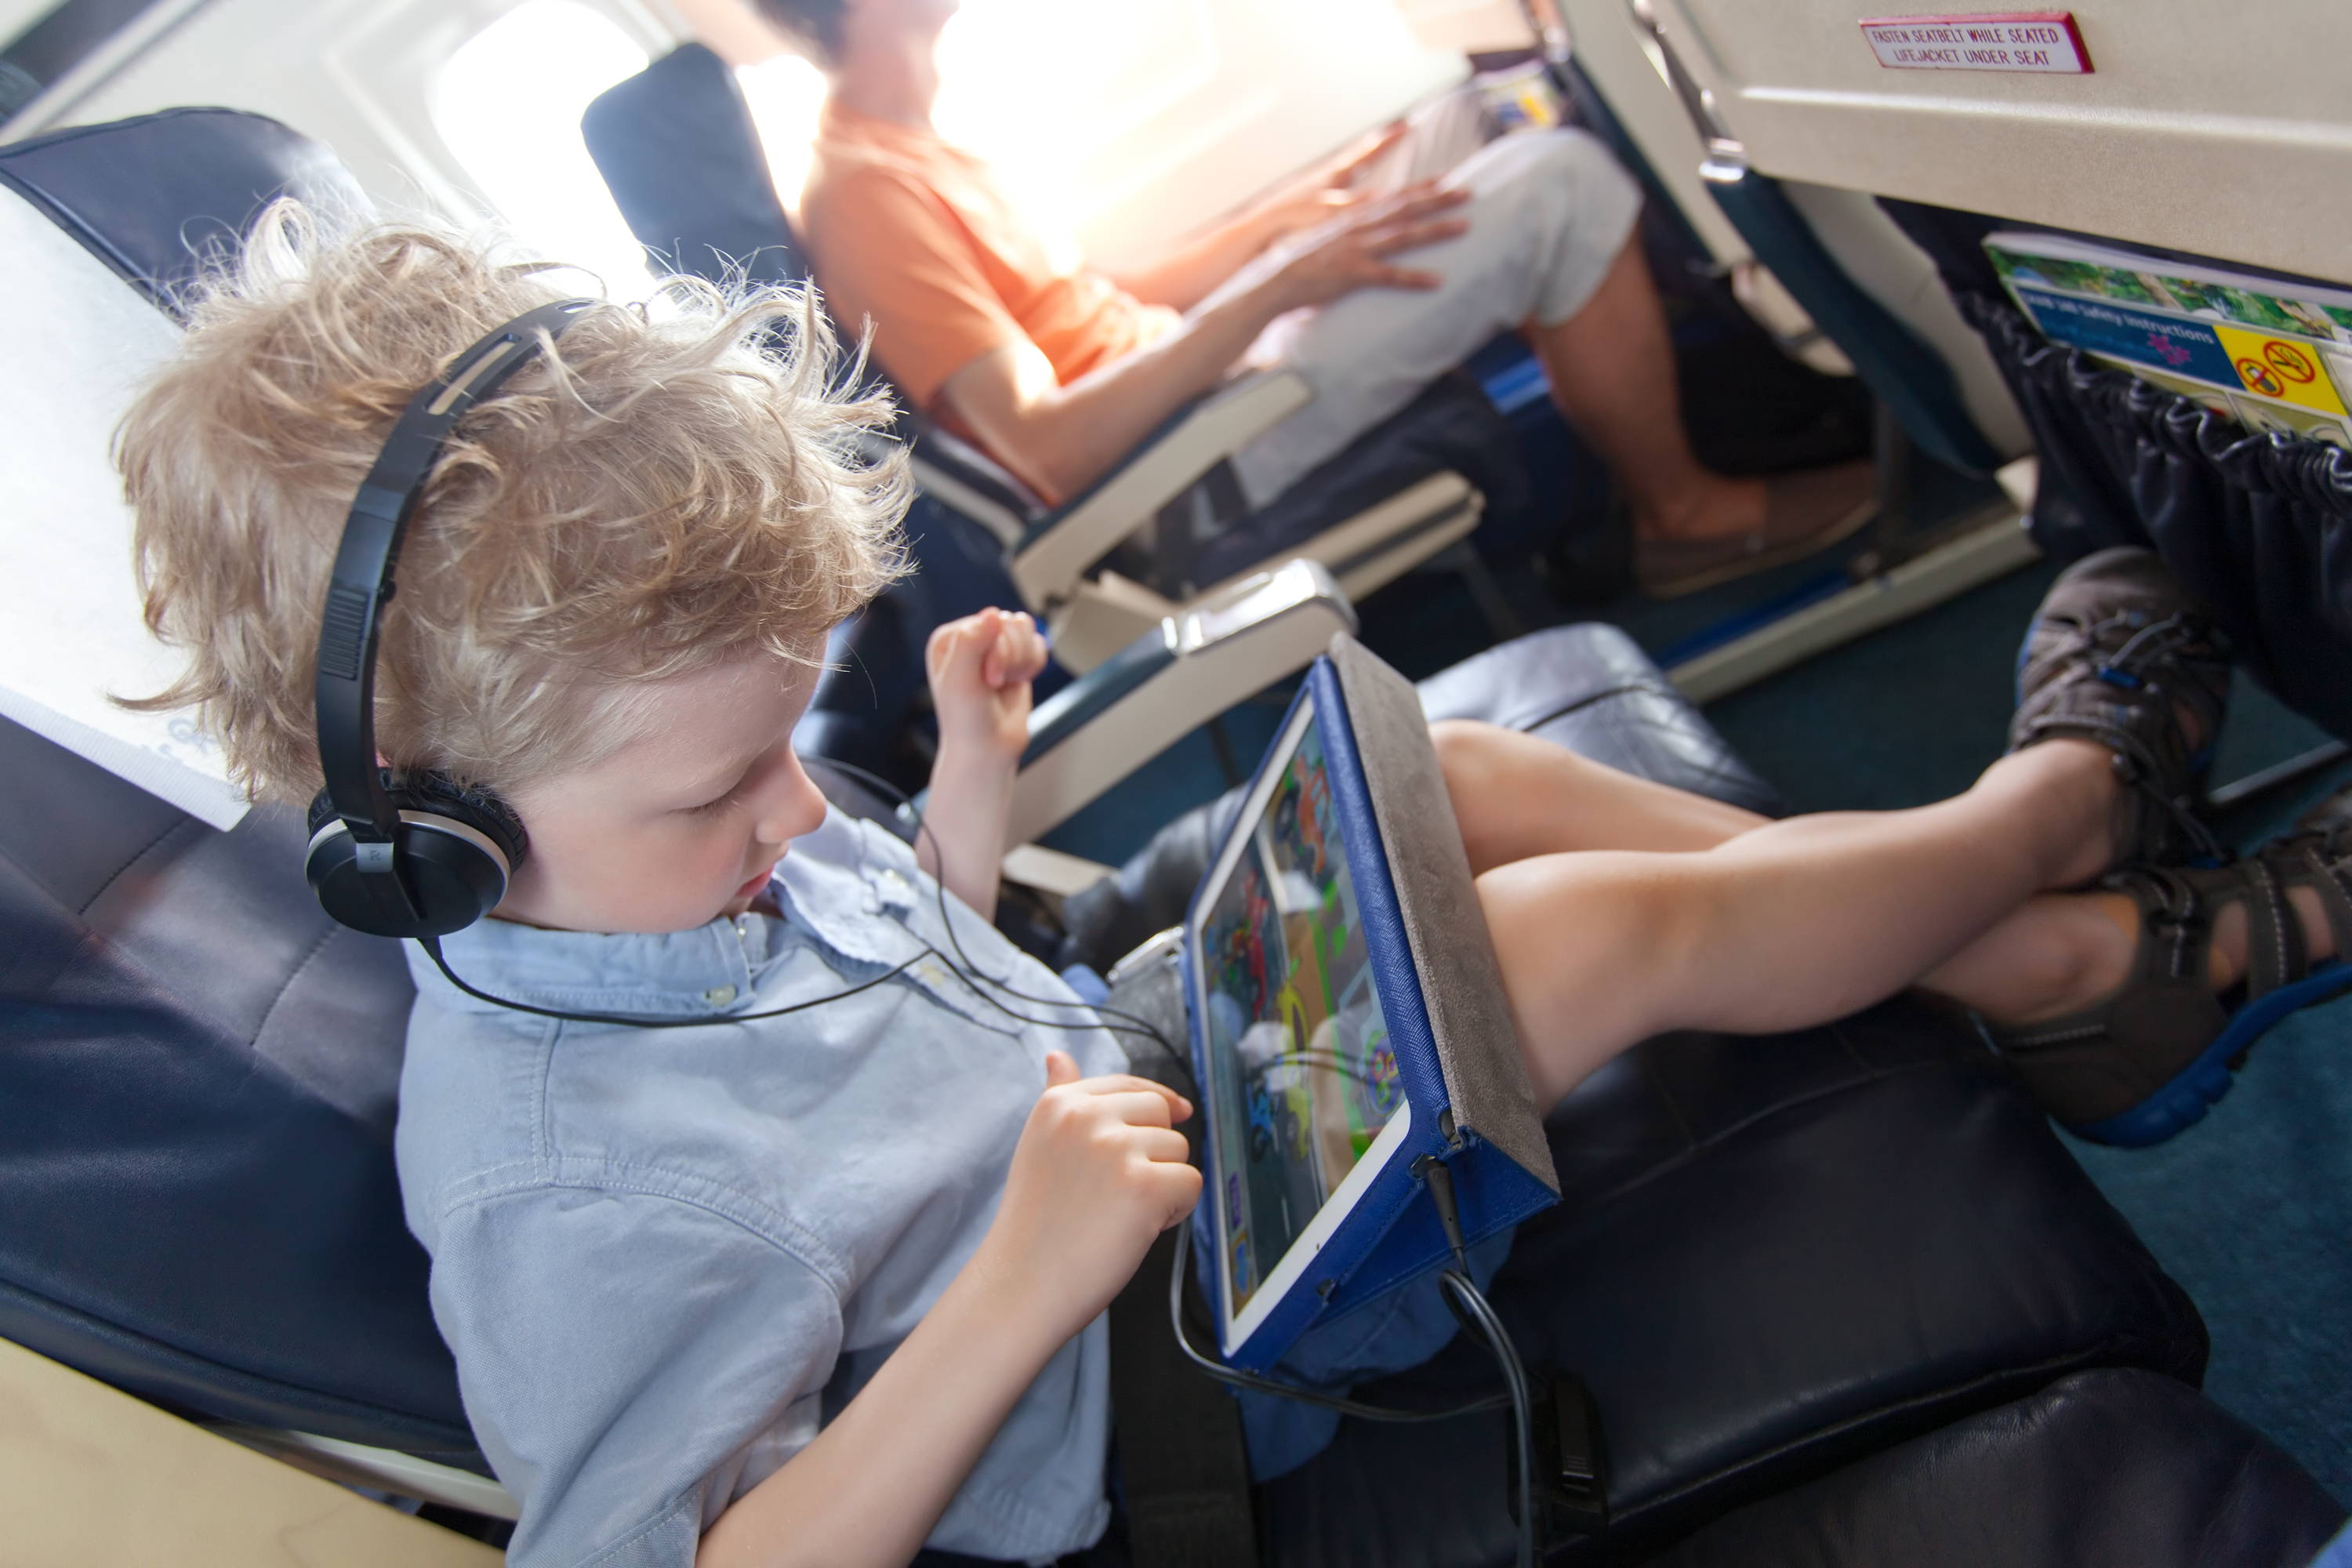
1125, 126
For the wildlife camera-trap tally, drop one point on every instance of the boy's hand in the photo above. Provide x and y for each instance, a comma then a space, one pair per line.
1099, 1172
980, 670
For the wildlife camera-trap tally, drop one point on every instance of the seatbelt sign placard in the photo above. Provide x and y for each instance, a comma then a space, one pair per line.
2046, 42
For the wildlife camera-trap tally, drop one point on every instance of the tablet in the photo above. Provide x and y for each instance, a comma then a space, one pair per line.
1347, 1022
1307, 1105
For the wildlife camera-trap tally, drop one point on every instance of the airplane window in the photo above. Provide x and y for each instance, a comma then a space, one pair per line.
508, 104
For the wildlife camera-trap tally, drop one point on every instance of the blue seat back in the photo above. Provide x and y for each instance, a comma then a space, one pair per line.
198, 1069
678, 149
156, 198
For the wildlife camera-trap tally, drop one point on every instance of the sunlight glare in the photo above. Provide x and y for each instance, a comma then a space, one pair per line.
508, 104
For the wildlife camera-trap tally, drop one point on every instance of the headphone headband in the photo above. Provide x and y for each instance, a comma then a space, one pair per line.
362, 583
417, 857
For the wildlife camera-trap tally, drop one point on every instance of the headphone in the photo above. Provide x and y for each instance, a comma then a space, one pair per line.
413, 855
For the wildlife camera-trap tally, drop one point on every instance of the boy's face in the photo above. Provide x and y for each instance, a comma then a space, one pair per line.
683, 823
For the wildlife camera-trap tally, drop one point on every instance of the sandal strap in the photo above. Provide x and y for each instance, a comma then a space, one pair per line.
2276, 954
2321, 861
2128, 701
2172, 961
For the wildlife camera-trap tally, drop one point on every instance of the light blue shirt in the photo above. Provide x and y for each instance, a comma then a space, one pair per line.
664, 1257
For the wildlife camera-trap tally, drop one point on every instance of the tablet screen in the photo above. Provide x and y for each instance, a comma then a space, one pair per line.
1299, 1054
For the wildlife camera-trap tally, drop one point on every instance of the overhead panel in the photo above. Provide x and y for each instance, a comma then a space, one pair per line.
2223, 131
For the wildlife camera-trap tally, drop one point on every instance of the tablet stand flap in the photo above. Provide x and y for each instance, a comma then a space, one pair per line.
1445, 924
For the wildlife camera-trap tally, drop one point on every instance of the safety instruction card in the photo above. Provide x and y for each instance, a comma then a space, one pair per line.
2271, 355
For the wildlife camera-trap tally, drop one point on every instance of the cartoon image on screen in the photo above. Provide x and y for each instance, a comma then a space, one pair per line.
1298, 1052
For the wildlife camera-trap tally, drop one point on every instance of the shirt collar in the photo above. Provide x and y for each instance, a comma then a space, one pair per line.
705, 971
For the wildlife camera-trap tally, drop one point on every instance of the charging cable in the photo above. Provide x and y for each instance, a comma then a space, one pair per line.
1470, 1307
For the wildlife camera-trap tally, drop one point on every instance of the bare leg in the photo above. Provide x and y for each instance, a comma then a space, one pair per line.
1517, 797
1522, 799
1611, 367
1789, 925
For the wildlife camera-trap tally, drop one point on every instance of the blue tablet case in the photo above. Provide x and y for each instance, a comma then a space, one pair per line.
1441, 991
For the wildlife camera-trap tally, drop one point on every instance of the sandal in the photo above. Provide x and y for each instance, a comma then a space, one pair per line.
2117, 649
2148, 1061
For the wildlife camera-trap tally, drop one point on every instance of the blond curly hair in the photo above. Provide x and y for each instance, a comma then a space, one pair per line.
662, 491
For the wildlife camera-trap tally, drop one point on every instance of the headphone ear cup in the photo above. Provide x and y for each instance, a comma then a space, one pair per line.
456, 849
478, 809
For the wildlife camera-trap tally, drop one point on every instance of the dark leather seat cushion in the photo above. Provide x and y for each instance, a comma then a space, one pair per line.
1588, 687
2102, 1469
197, 1081
1772, 1256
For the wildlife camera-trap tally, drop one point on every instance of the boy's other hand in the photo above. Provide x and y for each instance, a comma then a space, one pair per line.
1100, 1171
980, 670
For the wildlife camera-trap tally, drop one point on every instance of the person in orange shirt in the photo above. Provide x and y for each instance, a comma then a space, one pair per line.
1366, 282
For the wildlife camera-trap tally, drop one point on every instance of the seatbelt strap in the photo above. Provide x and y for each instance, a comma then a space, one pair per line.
1184, 1469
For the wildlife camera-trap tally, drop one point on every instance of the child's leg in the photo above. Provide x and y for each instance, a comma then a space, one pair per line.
1517, 797
1789, 925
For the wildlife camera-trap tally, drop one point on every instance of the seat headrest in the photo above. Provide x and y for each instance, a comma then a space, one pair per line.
677, 147
82, 213
151, 197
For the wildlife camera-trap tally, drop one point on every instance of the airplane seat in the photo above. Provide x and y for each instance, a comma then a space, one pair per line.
2109, 1466
165, 999
1778, 1257
1169, 524
2149, 139
2249, 517
1862, 285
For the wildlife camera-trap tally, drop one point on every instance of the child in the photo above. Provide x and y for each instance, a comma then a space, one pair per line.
825, 1287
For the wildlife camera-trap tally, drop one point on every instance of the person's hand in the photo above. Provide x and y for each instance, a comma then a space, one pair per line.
980, 670
1328, 190
1099, 1172
1355, 251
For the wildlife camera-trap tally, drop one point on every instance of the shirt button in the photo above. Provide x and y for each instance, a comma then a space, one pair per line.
932, 973
719, 995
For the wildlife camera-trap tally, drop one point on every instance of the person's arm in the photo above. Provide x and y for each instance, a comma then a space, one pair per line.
1099, 1172
980, 670
1193, 270
1059, 439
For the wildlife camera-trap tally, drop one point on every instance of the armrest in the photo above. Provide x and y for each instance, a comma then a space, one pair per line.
959, 475
1187, 671
1059, 547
